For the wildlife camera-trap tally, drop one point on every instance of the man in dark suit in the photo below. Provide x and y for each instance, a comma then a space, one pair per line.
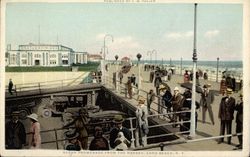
118, 120
15, 135
157, 82
239, 120
176, 104
226, 114
207, 98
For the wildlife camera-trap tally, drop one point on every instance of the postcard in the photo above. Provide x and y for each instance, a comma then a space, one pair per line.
124, 77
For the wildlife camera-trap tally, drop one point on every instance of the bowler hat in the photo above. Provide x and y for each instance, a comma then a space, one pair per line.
118, 119
71, 134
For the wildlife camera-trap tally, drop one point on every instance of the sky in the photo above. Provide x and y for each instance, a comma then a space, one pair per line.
135, 28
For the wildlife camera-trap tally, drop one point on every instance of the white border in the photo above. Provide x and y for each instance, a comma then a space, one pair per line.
246, 89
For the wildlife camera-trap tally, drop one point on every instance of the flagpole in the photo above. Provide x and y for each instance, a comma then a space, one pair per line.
193, 125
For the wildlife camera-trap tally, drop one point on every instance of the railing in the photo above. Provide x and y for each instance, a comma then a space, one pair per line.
122, 88
135, 139
163, 144
49, 84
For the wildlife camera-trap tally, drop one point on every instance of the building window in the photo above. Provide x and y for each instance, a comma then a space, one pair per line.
52, 62
64, 56
37, 55
52, 56
24, 55
24, 61
12, 59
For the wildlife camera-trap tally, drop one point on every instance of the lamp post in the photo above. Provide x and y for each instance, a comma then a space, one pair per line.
192, 128
104, 57
217, 69
154, 51
150, 53
139, 71
116, 73
181, 67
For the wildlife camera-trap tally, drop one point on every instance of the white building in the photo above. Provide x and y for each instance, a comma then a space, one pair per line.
44, 55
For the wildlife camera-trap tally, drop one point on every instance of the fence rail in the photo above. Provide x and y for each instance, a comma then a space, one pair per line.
49, 84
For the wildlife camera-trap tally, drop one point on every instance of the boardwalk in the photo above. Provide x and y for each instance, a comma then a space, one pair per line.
203, 130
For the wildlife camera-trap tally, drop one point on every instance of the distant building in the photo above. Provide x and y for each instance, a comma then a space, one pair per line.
44, 55
94, 57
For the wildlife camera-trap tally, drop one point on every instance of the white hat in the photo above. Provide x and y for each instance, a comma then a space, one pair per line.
176, 88
33, 116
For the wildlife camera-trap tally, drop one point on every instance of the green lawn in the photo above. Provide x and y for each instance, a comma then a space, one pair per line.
84, 67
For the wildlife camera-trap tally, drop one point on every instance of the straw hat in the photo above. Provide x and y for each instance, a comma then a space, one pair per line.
141, 100
176, 89
33, 116
71, 134
229, 91
162, 87
118, 119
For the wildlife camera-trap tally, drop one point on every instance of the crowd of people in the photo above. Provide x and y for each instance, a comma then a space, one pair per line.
120, 136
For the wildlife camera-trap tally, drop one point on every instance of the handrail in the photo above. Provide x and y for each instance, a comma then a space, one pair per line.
106, 133
41, 85
163, 144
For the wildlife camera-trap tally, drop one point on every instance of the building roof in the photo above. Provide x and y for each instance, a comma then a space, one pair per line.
31, 44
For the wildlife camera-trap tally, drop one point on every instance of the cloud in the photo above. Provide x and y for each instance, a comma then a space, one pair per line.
211, 33
179, 35
122, 45
100, 36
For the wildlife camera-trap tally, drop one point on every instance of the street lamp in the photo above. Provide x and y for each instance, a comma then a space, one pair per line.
116, 73
181, 67
150, 53
139, 71
192, 128
154, 51
104, 56
217, 69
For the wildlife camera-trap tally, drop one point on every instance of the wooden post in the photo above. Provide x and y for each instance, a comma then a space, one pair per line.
57, 147
132, 131
39, 86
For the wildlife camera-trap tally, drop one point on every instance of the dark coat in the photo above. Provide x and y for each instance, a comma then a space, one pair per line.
114, 132
15, 135
226, 110
158, 81
176, 102
208, 99
99, 143
167, 98
239, 116
73, 147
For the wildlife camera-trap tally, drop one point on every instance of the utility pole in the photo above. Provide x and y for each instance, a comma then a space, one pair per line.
192, 128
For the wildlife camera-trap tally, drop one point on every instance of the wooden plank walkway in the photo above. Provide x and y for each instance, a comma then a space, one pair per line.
203, 129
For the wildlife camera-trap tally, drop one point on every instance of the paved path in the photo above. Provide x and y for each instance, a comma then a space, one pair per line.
203, 129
